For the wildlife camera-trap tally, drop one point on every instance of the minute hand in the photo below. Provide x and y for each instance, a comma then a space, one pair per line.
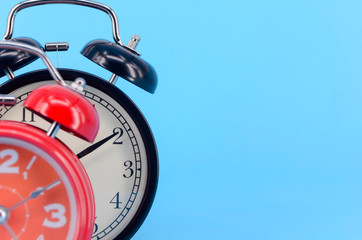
95, 146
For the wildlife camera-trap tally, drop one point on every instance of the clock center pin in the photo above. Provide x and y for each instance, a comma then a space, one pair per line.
4, 214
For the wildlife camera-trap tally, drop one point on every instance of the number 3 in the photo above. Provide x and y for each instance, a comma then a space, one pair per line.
57, 214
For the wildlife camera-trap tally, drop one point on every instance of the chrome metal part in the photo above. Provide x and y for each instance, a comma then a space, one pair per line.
56, 46
4, 215
7, 99
78, 85
28, 48
113, 79
132, 44
9, 73
53, 130
87, 3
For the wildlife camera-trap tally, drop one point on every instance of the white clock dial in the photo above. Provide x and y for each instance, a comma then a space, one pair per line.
121, 163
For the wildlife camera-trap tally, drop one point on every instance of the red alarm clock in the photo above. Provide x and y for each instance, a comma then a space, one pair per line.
45, 191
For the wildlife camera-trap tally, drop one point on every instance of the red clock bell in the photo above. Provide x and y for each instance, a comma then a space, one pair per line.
45, 191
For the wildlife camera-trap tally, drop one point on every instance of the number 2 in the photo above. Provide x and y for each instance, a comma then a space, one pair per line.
120, 131
6, 167
25, 113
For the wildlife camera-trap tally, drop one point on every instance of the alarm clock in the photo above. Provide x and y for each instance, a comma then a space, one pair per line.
122, 164
45, 191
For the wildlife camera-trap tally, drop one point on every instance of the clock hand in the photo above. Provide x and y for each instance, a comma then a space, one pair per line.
95, 146
10, 231
35, 194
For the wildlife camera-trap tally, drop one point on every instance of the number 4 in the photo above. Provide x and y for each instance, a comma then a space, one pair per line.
115, 200
41, 237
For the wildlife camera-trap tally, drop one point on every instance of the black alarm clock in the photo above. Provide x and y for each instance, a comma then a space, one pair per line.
122, 163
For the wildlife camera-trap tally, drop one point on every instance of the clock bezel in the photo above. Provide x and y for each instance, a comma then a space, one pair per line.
66, 162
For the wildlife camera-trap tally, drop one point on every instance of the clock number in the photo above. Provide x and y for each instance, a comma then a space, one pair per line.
119, 131
95, 227
115, 200
6, 167
25, 174
57, 213
25, 113
41, 237
128, 164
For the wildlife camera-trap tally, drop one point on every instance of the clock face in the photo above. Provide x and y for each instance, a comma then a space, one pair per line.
121, 163
40, 199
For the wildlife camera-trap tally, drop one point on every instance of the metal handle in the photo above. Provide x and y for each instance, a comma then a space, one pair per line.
87, 3
30, 49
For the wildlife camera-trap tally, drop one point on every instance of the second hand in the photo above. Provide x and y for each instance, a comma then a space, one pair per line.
35, 194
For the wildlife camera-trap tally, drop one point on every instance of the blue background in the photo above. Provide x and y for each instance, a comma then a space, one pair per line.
257, 115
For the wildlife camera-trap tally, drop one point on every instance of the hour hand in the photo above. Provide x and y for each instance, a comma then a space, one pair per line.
93, 147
